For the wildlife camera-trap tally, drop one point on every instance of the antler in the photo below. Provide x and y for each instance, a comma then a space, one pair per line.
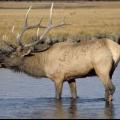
47, 29
27, 27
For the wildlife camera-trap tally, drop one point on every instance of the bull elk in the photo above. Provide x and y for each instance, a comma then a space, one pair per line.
63, 61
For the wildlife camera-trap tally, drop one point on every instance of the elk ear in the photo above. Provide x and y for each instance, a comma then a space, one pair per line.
26, 53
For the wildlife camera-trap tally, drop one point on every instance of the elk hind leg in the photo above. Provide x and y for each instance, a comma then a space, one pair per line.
109, 87
103, 71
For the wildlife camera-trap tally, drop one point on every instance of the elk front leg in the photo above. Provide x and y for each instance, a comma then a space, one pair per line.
58, 86
73, 89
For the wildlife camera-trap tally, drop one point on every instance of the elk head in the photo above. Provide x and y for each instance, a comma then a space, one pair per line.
17, 53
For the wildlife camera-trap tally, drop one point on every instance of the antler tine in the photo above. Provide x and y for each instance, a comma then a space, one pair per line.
51, 11
18, 35
13, 29
4, 37
26, 17
38, 32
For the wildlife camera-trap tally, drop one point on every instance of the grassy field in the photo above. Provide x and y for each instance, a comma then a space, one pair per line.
87, 19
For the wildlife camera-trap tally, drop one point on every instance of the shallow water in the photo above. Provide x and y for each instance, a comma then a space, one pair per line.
22, 96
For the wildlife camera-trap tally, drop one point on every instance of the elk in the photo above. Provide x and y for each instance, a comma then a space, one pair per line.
64, 61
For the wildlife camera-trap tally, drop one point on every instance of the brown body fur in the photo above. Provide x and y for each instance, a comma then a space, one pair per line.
67, 61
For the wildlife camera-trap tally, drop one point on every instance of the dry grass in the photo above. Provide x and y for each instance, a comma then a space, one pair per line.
84, 20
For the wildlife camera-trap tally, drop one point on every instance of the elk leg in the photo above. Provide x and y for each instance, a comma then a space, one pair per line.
73, 89
103, 68
109, 87
58, 86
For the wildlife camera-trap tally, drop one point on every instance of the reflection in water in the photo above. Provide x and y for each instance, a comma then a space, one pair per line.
61, 111
44, 108
109, 111
72, 111
75, 109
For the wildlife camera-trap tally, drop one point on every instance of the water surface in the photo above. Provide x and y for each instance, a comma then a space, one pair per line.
22, 96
